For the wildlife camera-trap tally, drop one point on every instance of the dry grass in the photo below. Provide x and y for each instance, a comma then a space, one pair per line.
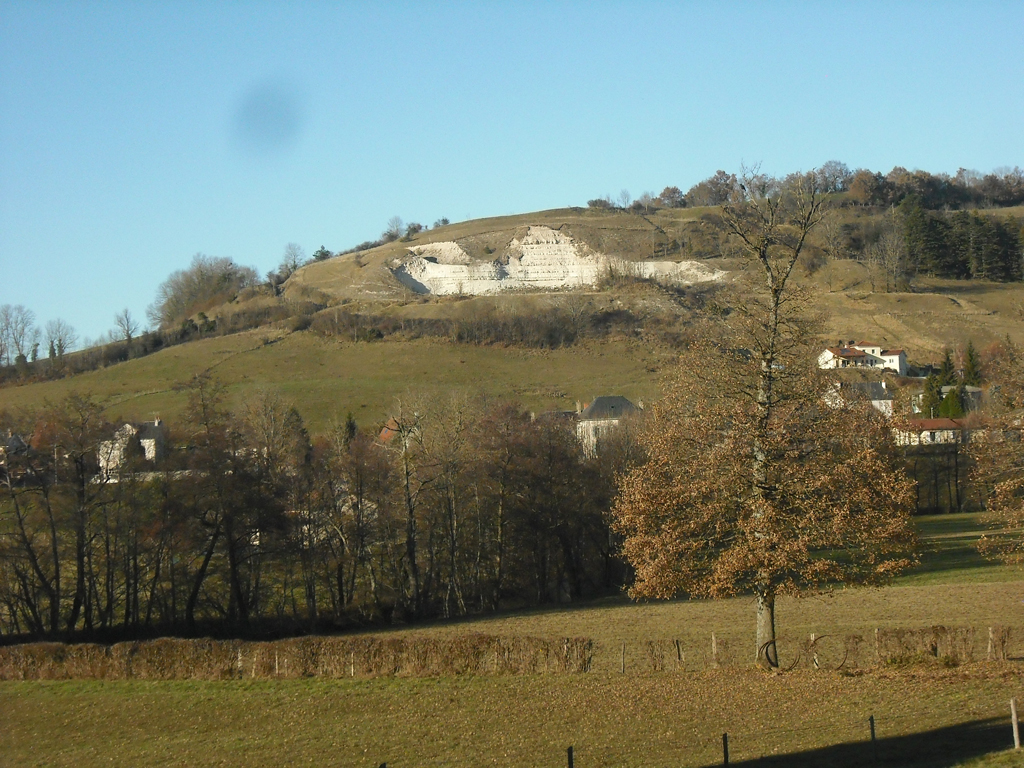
611, 720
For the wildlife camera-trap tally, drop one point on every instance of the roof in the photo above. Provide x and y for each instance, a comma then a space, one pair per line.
608, 407
872, 390
12, 443
390, 429
846, 352
151, 430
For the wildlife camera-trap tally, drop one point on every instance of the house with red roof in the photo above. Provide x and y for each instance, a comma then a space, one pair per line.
864, 354
931, 432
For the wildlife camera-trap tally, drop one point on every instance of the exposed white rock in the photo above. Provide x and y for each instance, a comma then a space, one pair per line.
543, 258
443, 253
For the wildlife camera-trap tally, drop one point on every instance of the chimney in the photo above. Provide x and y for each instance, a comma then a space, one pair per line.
579, 407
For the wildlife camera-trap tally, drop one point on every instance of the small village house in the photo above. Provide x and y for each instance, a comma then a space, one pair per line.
864, 354
149, 438
931, 432
600, 418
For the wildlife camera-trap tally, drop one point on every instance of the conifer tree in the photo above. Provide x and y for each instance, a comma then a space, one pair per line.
932, 396
951, 406
972, 366
947, 373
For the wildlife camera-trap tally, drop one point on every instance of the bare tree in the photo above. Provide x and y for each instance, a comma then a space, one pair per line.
207, 282
18, 332
294, 257
624, 199
579, 309
394, 229
127, 326
60, 338
888, 254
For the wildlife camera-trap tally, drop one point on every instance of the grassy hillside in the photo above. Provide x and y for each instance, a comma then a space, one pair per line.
327, 379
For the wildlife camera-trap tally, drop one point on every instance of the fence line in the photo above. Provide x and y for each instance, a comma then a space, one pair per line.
479, 654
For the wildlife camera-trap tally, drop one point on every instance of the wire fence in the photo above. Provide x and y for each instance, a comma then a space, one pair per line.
888, 740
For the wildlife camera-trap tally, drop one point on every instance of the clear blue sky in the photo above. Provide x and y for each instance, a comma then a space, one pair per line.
135, 134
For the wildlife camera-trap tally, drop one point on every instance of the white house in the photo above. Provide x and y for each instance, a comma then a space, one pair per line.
930, 432
875, 392
601, 417
148, 438
864, 354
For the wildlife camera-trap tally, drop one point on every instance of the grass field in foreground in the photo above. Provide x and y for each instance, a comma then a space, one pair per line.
925, 715
929, 719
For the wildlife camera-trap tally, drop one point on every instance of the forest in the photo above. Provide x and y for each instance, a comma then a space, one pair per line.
247, 527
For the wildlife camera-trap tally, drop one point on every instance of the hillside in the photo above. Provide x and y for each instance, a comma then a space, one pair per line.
328, 376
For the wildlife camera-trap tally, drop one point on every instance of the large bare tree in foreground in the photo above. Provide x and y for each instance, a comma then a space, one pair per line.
754, 484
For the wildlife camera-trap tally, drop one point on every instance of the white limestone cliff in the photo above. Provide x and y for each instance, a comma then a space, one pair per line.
543, 258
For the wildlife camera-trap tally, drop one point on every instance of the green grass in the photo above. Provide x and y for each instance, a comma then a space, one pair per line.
672, 717
611, 720
949, 553
327, 379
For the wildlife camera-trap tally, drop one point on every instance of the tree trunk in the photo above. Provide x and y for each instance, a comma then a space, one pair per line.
197, 582
767, 653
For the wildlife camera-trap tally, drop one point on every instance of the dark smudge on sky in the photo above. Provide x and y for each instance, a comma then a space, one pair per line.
268, 118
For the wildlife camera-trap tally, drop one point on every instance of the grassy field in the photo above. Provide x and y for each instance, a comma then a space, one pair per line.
610, 720
327, 379
925, 714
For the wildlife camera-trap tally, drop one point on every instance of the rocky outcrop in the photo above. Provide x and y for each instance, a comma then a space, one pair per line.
544, 258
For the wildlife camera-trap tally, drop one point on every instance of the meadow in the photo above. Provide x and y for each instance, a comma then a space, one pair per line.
928, 712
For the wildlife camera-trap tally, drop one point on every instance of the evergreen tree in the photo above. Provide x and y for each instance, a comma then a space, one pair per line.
947, 373
932, 396
952, 406
972, 366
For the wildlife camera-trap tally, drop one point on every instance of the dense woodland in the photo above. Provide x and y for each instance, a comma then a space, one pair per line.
247, 527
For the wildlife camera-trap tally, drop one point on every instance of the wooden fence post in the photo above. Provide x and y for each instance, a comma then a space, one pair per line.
991, 643
725, 749
569, 755
874, 743
679, 653
623, 659
1016, 725
714, 650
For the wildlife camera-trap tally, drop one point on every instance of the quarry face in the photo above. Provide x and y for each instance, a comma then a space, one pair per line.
543, 259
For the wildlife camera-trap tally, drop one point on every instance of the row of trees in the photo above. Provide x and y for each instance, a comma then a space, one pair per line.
966, 189
21, 338
459, 506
